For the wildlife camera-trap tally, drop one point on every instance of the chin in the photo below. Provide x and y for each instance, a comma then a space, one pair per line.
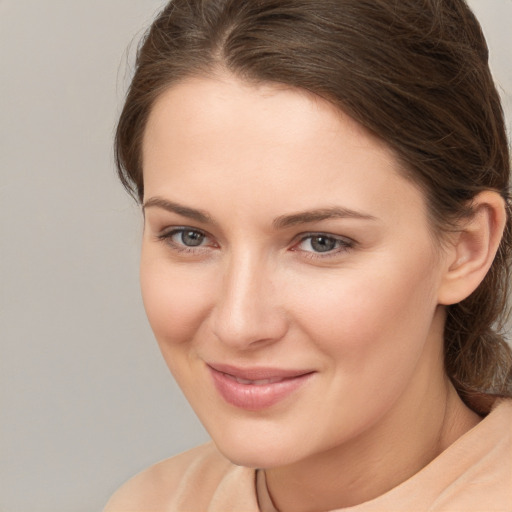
253, 449
254, 456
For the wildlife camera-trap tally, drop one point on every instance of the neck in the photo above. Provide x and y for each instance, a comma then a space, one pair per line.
424, 421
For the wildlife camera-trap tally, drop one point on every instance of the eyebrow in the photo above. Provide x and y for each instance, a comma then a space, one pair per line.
281, 222
334, 212
184, 211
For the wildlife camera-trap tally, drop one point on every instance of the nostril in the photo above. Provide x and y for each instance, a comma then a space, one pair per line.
246, 311
247, 326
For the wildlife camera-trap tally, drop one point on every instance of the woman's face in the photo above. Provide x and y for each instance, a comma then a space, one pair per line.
288, 270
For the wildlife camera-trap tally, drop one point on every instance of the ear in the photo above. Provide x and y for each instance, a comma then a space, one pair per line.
473, 248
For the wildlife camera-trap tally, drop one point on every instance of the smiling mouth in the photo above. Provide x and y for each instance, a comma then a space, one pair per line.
255, 389
260, 382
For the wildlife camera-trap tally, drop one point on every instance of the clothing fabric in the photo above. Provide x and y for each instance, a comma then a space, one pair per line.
473, 475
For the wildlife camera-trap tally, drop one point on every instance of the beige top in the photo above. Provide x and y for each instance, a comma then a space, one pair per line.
473, 475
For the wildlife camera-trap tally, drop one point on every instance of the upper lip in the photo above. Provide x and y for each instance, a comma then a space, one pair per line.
259, 372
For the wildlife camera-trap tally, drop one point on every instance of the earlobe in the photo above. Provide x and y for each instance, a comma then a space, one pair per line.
473, 248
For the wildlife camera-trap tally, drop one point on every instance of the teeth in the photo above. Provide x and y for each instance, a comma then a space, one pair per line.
260, 382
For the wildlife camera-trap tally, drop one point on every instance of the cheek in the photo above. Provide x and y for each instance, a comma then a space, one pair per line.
379, 313
175, 300
372, 329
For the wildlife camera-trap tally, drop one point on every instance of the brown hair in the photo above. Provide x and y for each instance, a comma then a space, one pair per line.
413, 72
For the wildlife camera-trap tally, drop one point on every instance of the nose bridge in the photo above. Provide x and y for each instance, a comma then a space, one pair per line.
247, 308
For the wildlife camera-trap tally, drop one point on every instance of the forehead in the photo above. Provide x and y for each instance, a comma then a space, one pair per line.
207, 104
266, 146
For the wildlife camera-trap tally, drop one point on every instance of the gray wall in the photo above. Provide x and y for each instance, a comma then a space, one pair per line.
86, 400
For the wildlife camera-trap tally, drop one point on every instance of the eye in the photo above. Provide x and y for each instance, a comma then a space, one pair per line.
322, 243
189, 237
185, 239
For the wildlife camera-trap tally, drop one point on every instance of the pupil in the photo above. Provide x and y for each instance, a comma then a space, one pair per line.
192, 238
323, 243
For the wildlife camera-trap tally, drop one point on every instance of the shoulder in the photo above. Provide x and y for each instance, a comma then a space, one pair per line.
471, 475
161, 485
477, 469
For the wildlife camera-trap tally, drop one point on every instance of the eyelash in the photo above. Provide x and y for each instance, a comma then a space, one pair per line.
342, 244
167, 237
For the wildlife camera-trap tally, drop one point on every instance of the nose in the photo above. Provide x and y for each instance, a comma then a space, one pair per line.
247, 312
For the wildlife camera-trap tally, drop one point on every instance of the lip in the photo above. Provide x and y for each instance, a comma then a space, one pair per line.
257, 388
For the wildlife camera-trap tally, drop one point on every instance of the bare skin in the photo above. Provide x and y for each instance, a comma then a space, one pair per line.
278, 233
362, 472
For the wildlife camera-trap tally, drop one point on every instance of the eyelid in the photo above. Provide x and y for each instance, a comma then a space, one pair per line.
346, 244
165, 236
343, 243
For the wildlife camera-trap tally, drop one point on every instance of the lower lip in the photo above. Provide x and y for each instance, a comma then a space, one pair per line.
253, 397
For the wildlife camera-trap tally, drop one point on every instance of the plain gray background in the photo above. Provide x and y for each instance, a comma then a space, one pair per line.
86, 400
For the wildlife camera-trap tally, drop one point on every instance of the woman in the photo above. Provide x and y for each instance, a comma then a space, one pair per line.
325, 254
